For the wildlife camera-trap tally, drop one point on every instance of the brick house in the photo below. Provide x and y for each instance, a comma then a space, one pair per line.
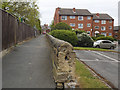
103, 24
45, 28
116, 32
82, 19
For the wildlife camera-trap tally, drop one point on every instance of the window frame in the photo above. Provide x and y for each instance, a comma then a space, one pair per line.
81, 26
89, 24
71, 17
88, 17
71, 24
80, 19
97, 21
96, 26
116, 31
103, 21
110, 33
65, 17
103, 34
110, 21
104, 28
116, 36
110, 28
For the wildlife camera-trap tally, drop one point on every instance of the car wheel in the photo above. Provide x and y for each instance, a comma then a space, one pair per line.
97, 46
112, 47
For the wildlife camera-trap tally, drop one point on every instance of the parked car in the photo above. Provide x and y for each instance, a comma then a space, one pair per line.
104, 44
44, 32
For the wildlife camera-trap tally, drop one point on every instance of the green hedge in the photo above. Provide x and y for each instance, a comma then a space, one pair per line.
105, 38
99, 35
65, 35
79, 31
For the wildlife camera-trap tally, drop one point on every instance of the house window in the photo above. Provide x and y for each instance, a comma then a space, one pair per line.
96, 27
103, 28
103, 34
64, 17
88, 25
110, 27
110, 21
116, 36
116, 32
103, 22
88, 32
110, 34
88, 18
80, 25
72, 24
80, 18
96, 21
72, 17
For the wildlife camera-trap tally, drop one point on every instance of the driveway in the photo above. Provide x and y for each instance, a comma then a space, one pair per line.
29, 66
104, 63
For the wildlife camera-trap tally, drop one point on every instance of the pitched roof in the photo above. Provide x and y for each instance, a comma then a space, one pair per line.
65, 11
116, 28
102, 16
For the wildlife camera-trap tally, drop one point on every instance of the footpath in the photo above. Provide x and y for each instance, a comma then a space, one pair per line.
28, 66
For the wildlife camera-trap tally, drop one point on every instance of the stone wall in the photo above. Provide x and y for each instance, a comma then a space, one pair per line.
63, 59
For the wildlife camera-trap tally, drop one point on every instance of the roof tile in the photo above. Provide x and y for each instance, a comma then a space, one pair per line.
102, 16
64, 11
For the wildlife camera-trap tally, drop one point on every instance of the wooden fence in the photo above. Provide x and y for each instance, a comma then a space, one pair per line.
14, 31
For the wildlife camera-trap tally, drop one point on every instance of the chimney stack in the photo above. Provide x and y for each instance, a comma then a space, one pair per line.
58, 8
97, 14
73, 9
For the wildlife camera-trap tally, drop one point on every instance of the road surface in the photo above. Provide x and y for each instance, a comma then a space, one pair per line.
104, 63
29, 66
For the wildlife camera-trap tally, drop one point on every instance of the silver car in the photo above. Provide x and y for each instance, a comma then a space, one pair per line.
104, 44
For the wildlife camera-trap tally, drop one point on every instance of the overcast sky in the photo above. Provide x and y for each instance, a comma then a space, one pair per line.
47, 7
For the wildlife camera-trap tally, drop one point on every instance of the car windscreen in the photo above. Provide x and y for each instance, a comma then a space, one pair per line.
98, 41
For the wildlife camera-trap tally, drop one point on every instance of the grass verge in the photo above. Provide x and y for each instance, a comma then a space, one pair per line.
93, 49
86, 78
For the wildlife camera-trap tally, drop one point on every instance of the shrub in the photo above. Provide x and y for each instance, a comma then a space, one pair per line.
62, 26
105, 38
65, 35
84, 40
99, 35
94, 38
79, 31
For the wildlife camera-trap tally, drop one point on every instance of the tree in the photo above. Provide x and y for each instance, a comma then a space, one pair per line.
25, 10
62, 26
84, 40
52, 25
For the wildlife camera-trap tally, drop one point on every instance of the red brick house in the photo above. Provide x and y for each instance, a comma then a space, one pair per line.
116, 32
103, 24
45, 29
82, 19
